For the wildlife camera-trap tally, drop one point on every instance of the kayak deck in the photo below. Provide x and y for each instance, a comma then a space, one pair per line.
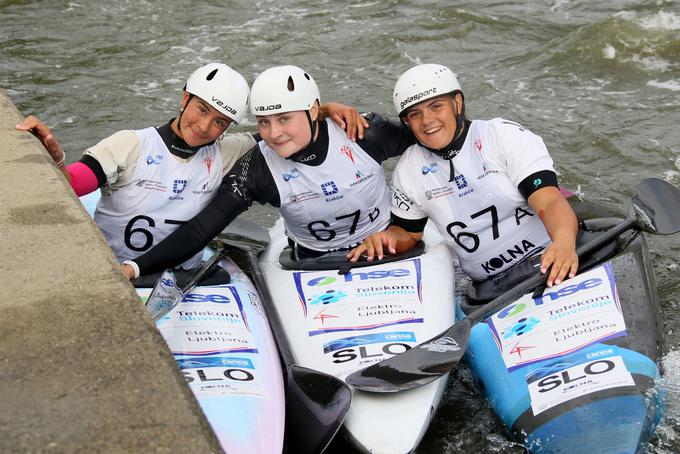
595, 386
339, 323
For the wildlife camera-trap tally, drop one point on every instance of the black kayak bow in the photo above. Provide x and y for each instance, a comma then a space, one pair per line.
655, 208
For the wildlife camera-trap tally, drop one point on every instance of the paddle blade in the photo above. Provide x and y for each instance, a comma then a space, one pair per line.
316, 405
656, 207
418, 366
164, 296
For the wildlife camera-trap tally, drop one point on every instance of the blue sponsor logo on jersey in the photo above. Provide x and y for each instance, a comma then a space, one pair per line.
461, 182
291, 174
329, 188
154, 159
432, 168
178, 186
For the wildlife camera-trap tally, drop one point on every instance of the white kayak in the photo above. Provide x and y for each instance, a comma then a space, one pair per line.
223, 345
340, 323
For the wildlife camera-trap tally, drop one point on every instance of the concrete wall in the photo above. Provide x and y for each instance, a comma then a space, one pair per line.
82, 367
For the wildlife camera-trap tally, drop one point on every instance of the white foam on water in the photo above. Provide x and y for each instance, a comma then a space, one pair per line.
609, 52
652, 64
672, 85
662, 20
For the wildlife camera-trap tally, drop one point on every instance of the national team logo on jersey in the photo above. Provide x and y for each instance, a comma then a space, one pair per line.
292, 173
432, 168
329, 188
154, 159
208, 162
347, 151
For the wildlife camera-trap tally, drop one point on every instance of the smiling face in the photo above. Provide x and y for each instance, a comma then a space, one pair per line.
287, 132
199, 123
433, 121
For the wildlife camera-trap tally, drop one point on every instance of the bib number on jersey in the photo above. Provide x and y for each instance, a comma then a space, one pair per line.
144, 233
469, 241
321, 229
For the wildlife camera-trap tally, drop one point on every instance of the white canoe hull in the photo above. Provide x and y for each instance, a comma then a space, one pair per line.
342, 323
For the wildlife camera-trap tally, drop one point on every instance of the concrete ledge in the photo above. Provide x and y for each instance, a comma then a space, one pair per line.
82, 367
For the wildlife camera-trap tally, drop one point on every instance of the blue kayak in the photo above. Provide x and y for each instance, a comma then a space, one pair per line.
576, 367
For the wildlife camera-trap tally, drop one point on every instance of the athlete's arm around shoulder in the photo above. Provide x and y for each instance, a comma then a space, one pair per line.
232, 147
384, 138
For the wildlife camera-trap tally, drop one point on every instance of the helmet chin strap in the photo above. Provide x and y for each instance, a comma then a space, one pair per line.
181, 112
313, 126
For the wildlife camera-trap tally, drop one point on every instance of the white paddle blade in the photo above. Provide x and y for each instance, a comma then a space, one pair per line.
164, 296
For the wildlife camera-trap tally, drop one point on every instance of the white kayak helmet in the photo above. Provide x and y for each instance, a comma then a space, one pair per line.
283, 89
423, 82
221, 87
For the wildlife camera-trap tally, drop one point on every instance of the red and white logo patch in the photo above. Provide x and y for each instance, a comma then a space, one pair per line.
347, 151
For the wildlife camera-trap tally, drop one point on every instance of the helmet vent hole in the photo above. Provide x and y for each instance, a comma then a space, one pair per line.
307, 77
211, 75
291, 84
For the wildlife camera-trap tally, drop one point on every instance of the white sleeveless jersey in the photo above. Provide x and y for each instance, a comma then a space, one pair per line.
163, 193
336, 204
481, 213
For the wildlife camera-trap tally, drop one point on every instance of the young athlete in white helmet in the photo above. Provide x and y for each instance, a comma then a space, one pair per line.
330, 191
154, 179
489, 186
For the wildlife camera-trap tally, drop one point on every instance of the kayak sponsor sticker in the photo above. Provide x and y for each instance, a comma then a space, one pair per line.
208, 321
352, 353
566, 380
579, 312
221, 376
361, 300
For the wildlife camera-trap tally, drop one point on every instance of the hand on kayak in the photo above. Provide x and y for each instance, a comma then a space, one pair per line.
374, 246
348, 118
44, 134
560, 260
